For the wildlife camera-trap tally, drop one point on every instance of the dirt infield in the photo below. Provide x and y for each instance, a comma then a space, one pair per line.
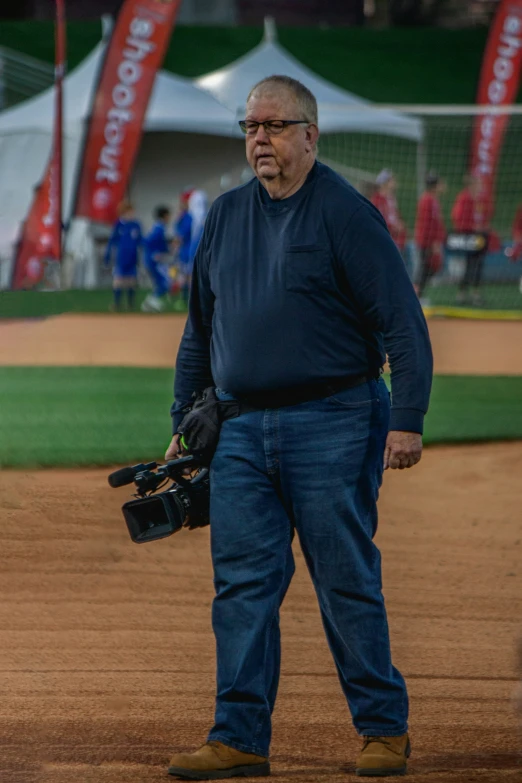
107, 655
460, 347
106, 650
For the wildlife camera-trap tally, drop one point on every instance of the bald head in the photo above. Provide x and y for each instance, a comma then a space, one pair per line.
303, 99
281, 134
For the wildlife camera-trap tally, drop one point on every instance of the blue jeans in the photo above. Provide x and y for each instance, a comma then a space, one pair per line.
315, 467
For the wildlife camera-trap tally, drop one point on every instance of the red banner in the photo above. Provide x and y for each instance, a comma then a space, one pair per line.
40, 244
498, 86
136, 50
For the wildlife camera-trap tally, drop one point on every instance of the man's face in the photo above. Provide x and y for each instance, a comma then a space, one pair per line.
285, 155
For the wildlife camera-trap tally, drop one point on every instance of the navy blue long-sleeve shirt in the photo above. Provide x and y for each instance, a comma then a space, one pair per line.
291, 292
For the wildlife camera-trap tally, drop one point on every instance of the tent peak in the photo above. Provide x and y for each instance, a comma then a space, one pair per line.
270, 34
107, 22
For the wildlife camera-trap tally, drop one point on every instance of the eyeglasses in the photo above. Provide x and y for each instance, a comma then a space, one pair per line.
272, 127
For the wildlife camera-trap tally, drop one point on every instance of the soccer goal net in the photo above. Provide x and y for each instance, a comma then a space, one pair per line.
391, 164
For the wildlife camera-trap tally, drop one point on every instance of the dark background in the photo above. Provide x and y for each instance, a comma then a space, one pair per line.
344, 12
334, 13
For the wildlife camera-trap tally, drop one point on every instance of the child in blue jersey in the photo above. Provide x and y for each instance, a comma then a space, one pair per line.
183, 239
125, 239
157, 257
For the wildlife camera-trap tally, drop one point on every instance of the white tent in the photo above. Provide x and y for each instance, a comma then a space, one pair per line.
176, 105
339, 111
191, 138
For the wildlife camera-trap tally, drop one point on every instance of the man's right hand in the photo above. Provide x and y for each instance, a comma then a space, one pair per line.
175, 449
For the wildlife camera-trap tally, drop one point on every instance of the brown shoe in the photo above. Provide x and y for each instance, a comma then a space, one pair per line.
215, 761
383, 757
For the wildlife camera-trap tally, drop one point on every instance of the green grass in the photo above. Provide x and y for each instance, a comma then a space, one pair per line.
37, 304
83, 416
496, 297
469, 408
106, 416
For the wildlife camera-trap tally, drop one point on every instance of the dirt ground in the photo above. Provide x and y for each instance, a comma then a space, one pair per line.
460, 347
106, 649
107, 656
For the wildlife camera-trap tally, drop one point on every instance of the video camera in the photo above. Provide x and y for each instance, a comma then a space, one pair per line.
185, 504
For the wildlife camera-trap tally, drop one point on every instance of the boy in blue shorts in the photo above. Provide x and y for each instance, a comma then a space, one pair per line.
157, 257
125, 239
183, 239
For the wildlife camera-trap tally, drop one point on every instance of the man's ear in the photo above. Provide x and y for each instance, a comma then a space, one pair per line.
312, 135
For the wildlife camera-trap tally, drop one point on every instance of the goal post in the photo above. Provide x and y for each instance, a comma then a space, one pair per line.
445, 149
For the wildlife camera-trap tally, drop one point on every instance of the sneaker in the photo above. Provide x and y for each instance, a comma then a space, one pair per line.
216, 761
152, 304
145, 306
383, 757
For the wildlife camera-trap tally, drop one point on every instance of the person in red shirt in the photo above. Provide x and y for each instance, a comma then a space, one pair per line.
386, 202
514, 253
517, 225
430, 232
471, 214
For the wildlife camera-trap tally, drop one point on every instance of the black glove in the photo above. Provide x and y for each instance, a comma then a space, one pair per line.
201, 426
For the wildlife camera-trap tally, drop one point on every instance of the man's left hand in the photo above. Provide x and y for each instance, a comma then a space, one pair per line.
403, 450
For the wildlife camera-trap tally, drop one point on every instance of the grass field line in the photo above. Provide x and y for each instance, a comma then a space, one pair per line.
472, 313
74, 416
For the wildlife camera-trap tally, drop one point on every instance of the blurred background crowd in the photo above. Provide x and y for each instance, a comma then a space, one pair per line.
398, 84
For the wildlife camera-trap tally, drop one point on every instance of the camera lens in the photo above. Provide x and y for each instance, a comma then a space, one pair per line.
159, 516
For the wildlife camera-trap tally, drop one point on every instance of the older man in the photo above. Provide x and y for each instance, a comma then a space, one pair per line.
298, 292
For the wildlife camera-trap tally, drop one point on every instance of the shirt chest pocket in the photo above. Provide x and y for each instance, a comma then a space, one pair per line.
306, 268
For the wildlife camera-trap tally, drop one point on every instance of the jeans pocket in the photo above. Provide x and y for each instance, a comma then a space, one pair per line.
358, 397
306, 267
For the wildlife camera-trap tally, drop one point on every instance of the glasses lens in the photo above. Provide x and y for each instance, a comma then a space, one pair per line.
249, 127
274, 127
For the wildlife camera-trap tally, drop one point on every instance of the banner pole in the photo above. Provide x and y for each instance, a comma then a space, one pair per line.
107, 29
38, 254
60, 55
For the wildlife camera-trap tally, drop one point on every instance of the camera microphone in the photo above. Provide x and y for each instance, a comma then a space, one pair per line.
124, 476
